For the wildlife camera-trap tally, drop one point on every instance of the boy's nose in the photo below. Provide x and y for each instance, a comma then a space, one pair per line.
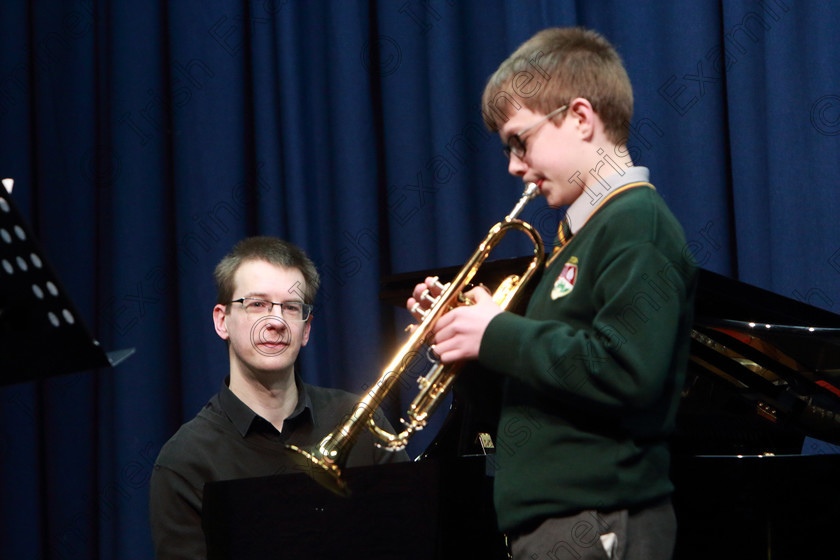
516, 166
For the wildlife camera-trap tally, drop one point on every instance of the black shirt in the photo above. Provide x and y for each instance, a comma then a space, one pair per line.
227, 440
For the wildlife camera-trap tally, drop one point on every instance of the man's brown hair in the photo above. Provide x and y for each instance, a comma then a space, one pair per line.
554, 67
269, 249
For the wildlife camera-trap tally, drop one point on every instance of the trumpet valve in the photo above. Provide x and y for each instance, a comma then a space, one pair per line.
417, 309
427, 296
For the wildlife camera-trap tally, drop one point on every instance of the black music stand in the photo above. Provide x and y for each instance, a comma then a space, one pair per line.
42, 334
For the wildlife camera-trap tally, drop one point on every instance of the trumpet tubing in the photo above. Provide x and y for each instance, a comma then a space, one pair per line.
330, 456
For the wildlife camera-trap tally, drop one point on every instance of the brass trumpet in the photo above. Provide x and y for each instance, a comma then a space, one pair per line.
329, 458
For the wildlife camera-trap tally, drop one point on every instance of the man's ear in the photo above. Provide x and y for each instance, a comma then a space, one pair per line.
220, 321
584, 116
305, 337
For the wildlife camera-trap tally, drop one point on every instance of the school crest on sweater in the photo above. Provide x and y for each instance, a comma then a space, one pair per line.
565, 282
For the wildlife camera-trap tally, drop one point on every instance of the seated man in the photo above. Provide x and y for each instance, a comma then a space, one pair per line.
266, 287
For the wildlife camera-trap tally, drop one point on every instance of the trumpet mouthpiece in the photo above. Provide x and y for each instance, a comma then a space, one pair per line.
531, 190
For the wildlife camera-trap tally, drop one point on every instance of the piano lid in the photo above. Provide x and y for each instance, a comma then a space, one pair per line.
764, 372
806, 333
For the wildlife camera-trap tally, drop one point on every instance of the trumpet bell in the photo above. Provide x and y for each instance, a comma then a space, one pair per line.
325, 473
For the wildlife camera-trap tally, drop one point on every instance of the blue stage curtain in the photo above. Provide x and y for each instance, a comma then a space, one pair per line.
146, 138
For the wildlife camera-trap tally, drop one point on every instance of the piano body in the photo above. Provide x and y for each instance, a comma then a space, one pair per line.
756, 458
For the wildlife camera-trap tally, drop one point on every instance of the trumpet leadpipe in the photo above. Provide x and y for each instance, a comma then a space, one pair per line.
530, 193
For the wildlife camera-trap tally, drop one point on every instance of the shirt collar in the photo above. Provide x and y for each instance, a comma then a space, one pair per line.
242, 417
594, 195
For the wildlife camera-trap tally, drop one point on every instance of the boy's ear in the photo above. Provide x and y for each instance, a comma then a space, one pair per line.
584, 117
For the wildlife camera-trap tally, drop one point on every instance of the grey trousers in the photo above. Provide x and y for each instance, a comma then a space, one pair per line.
645, 534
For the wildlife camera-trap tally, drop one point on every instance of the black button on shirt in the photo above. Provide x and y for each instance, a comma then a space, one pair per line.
227, 440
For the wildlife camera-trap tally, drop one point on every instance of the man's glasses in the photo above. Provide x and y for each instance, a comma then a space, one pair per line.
516, 146
289, 310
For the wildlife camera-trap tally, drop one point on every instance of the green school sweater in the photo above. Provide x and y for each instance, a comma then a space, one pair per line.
595, 367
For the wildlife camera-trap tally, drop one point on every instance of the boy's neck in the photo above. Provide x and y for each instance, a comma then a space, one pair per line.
600, 160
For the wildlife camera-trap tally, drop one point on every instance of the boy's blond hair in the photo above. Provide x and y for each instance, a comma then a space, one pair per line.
554, 67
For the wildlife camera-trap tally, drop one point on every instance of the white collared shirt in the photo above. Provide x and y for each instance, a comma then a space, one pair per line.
594, 195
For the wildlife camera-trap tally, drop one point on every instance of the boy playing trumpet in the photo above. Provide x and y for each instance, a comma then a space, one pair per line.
593, 371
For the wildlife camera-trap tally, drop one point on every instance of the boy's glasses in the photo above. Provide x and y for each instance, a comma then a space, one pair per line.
516, 146
289, 310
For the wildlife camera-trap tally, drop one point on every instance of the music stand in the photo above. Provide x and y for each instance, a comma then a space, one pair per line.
42, 334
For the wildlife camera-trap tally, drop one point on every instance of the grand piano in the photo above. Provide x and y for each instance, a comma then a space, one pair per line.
756, 459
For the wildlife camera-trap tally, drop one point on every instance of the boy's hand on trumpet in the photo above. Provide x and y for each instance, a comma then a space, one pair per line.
458, 333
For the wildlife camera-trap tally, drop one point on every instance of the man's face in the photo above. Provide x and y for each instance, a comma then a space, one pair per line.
550, 156
263, 342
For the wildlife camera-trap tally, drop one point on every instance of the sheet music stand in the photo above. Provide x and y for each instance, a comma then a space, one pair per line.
42, 334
